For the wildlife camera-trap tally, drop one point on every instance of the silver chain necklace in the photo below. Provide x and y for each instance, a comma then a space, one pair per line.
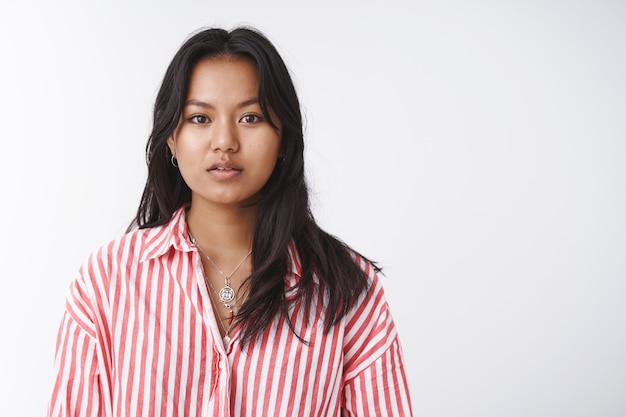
219, 316
227, 294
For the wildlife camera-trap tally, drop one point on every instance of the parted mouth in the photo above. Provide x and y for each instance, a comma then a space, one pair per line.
224, 166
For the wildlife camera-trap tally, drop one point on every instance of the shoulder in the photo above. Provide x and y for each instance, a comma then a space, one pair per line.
136, 246
126, 249
107, 268
372, 303
368, 267
371, 312
89, 292
369, 327
111, 267
127, 253
98, 272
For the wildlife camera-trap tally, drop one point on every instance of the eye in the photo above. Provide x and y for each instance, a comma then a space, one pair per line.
251, 118
199, 119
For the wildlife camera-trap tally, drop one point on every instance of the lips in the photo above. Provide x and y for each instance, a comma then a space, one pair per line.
224, 166
224, 170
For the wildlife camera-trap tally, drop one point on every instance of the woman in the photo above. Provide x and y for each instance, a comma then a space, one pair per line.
225, 297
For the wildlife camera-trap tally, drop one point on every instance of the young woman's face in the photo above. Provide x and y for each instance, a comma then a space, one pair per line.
226, 149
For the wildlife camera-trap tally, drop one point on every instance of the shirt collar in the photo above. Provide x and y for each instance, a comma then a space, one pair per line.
173, 234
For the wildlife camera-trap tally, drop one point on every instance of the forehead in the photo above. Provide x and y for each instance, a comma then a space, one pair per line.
223, 76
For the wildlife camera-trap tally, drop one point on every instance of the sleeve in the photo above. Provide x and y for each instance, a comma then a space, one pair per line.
375, 382
77, 390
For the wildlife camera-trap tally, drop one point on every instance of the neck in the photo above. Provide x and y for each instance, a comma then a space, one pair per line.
222, 230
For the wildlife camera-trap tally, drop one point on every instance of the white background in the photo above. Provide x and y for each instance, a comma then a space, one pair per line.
476, 149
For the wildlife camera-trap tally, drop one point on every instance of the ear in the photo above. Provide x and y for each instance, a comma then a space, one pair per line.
281, 149
171, 143
280, 161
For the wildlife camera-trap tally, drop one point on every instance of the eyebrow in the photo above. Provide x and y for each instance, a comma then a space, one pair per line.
198, 103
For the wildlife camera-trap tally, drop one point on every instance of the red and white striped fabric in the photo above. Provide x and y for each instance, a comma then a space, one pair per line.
138, 338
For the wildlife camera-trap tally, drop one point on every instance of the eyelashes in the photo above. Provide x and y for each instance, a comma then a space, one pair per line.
199, 119
251, 118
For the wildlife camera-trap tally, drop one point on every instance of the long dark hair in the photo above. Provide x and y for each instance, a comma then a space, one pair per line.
284, 211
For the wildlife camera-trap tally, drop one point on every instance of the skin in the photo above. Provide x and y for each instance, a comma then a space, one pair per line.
222, 126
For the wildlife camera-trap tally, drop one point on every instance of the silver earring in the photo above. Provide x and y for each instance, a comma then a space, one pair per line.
174, 161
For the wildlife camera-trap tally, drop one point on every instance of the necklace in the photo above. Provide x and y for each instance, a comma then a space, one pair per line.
219, 316
226, 294
220, 320
228, 306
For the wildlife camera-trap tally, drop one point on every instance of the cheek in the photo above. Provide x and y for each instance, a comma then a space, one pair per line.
189, 148
269, 156
190, 159
265, 147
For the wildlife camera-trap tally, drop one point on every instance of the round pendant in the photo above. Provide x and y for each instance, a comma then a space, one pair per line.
226, 295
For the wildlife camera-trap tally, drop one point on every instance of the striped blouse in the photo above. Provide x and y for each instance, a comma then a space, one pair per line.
138, 337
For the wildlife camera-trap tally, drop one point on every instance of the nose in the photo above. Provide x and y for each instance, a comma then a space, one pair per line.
224, 137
